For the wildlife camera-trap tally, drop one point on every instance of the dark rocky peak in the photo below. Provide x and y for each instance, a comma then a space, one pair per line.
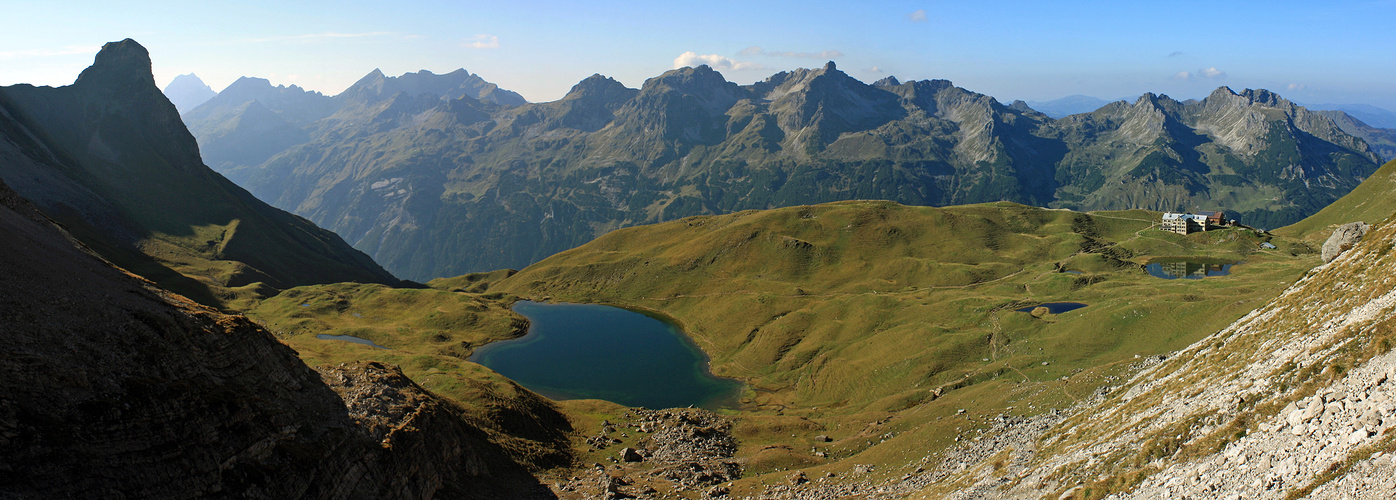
119, 66
600, 87
1266, 98
890, 81
693, 85
699, 80
1021, 106
1160, 102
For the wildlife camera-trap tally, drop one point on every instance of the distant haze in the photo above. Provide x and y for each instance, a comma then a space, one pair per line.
1332, 52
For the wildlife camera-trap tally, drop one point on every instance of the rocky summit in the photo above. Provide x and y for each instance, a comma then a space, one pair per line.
110, 159
437, 182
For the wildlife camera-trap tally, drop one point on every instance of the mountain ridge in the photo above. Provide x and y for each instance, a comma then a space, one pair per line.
110, 158
688, 142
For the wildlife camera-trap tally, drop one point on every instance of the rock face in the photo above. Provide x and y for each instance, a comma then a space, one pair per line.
112, 388
440, 187
1343, 238
110, 159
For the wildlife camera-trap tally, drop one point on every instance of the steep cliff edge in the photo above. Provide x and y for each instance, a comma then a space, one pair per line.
112, 388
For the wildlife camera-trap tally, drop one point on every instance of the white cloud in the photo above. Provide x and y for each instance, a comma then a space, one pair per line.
1295, 86
875, 69
65, 51
823, 54
919, 16
1211, 73
713, 61
482, 41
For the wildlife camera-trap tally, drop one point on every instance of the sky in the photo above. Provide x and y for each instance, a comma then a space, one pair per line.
1315, 52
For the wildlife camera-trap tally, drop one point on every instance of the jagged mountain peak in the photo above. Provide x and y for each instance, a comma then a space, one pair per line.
123, 63
598, 85
687, 79
889, 81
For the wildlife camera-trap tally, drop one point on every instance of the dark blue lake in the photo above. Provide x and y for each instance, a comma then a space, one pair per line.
1187, 269
1054, 307
587, 351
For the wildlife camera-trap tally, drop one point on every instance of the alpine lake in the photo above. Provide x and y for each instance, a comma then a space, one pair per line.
1171, 269
589, 351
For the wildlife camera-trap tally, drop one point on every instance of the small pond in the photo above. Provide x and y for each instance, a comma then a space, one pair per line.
1054, 307
349, 338
1187, 269
587, 351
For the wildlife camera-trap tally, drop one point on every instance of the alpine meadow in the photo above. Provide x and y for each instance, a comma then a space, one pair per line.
300, 251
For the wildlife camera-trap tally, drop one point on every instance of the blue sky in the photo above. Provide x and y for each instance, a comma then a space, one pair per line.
1332, 51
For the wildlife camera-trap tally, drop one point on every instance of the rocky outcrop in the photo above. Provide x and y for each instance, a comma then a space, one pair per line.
112, 388
1343, 238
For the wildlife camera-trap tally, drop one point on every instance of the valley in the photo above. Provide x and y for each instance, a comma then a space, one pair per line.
833, 339
824, 288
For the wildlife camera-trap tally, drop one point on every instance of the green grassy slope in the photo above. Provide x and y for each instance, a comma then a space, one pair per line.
1372, 201
870, 304
867, 321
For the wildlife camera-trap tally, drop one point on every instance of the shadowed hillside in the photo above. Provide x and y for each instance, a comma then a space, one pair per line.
113, 388
109, 158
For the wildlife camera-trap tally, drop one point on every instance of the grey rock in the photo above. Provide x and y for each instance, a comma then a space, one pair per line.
1343, 238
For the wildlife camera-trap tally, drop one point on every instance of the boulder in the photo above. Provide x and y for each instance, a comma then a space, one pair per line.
1343, 238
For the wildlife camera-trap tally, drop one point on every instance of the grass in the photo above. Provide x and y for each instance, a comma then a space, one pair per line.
869, 322
848, 313
429, 333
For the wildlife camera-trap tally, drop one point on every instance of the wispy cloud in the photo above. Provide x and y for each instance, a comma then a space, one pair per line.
65, 51
315, 36
1210, 73
1175, 53
917, 16
483, 41
713, 61
823, 54
876, 70
1295, 86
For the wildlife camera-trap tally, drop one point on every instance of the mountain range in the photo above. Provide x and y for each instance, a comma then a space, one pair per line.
432, 181
109, 158
889, 350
